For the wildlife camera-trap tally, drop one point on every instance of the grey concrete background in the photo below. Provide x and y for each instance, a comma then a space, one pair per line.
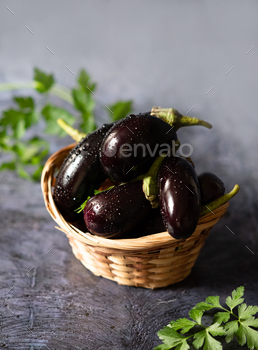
164, 53
168, 53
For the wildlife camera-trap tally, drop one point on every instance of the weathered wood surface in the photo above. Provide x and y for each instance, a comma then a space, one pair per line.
58, 304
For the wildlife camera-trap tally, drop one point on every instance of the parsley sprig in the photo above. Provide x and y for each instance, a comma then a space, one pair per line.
227, 322
83, 205
26, 154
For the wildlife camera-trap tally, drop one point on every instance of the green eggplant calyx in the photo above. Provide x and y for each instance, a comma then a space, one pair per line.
176, 119
150, 185
74, 133
208, 208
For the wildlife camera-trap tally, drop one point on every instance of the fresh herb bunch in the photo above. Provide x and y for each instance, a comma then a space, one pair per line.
26, 155
226, 322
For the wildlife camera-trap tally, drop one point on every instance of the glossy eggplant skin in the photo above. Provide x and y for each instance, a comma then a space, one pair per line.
115, 212
131, 146
79, 175
211, 187
179, 197
151, 225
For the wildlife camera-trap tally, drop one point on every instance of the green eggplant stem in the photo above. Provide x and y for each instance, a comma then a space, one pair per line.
74, 133
206, 209
149, 185
176, 119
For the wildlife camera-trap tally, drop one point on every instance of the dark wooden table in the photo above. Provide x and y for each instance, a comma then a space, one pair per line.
49, 300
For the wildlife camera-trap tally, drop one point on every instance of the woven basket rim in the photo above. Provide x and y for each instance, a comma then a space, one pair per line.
141, 243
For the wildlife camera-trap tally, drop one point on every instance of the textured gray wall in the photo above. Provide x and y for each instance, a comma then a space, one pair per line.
167, 53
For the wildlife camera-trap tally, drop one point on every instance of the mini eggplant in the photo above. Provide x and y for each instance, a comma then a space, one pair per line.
113, 213
211, 187
131, 146
179, 197
152, 225
79, 175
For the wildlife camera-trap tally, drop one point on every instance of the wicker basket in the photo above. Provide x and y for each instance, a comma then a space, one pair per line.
152, 261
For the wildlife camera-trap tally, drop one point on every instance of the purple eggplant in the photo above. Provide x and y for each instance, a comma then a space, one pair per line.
115, 212
132, 144
211, 187
79, 175
179, 197
153, 224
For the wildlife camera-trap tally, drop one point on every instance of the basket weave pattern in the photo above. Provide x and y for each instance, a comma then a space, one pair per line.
152, 261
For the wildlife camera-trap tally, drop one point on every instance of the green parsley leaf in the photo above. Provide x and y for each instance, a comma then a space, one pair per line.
215, 329
25, 102
231, 328
205, 335
27, 110
37, 148
88, 123
196, 315
20, 129
221, 317
120, 109
82, 206
253, 322
45, 81
51, 113
242, 327
236, 298
182, 323
183, 346
2, 133
15, 121
171, 338
84, 81
210, 303
241, 336
37, 173
32, 151
7, 166
246, 334
209, 342
199, 339
245, 312
22, 172
28, 156
203, 306
214, 300
97, 191
83, 101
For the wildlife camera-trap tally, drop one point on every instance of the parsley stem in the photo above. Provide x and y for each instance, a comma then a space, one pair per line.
62, 92
16, 86
230, 312
57, 90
